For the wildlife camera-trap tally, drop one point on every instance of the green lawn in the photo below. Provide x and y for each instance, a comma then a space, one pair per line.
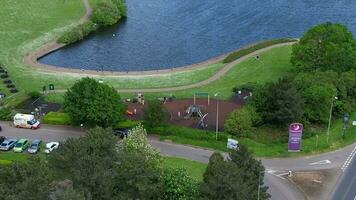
9, 157
194, 169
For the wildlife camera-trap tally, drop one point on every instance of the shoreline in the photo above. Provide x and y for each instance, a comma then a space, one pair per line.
31, 59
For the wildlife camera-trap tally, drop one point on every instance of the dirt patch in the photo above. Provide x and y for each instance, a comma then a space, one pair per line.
315, 184
180, 106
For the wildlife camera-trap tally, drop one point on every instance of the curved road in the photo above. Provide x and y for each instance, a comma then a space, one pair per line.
279, 187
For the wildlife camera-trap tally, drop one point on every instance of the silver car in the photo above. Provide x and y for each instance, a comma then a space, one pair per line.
7, 144
34, 147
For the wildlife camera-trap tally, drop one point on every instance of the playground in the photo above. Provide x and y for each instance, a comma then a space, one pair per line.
201, 114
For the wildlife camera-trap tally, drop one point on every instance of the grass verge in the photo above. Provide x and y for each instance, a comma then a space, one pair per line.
194, 169
57, 118
242, 52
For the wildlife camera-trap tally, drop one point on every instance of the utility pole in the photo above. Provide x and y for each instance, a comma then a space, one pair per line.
331, 110
217, 116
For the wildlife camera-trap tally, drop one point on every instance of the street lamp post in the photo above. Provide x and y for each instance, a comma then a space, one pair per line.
217, 116
331, 110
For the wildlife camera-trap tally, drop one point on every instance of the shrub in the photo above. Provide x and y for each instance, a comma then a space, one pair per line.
242, 52
6, 114
34, 94
154, 114
105, 13
121, 6
77, 33
57, 118
241, 121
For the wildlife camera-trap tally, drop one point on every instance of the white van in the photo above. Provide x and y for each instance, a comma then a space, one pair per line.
26, 121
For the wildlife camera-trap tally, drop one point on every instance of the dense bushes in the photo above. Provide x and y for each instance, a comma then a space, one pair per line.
77, 33
242, 52
241, 121
105, 13
325, 47
6, 114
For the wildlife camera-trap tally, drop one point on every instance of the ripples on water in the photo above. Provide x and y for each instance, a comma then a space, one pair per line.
161, 34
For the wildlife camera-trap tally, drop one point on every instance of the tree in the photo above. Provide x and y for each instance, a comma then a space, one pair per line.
178, 185
89, 162
154, 114
139, 168
64, 190
318, 99
325, 47
18, 179
106, 13
92, 103
121, 6
237, 177
279, 103
240, 121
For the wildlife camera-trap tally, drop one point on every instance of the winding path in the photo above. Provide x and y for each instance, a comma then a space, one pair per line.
225, 69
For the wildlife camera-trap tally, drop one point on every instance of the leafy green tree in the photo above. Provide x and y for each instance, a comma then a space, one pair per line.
121, 6
139, 168
106, 13
279, 103
241, 121
154, 114
222, 180
93, 103
64, 190
325, 47
317, 102
17, 180
237, 177
254, 171
89, 162
178, 185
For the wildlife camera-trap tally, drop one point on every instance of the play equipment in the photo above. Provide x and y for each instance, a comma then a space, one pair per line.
193, 111
202, 94
201, 123
129, 113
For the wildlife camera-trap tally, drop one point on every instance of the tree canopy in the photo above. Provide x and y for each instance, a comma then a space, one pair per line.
325, 47
92, 103
241, 121
154, 114
279, 103
236, 177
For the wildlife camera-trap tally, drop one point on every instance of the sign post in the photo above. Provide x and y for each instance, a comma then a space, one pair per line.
51, 87
295, 137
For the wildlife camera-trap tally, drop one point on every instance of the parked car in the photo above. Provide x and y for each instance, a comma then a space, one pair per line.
21, 145
7, 144
2, 138
34, 147
51, 146
122, 133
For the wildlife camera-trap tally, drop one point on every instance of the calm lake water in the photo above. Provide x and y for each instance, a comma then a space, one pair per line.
160, 34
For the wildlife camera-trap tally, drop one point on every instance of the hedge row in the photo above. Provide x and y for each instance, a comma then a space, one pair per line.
77, 33
242, 52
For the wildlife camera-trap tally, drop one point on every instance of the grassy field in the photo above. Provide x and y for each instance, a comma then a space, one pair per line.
194, 169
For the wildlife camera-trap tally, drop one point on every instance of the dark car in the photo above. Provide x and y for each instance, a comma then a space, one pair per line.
122, 133
34, 147
2, 138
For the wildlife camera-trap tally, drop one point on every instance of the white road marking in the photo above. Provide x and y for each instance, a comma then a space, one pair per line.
348, 160
276, 173
322, 162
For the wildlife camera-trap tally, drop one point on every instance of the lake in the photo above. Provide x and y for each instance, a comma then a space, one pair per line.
161, 34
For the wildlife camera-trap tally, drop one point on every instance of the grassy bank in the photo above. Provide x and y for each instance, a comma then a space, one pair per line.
194, 169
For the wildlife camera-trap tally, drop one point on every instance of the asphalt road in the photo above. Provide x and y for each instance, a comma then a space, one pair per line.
346, 189
279, 187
